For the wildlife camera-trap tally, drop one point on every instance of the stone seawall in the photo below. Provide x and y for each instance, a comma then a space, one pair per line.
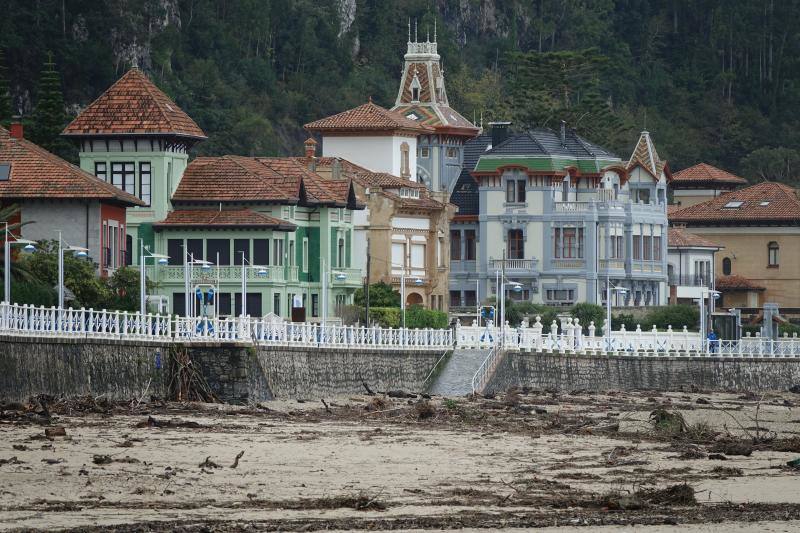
237, 373
308, 373
70, 367
580, 372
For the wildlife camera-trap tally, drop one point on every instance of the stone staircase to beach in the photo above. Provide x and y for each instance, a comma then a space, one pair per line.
455, 379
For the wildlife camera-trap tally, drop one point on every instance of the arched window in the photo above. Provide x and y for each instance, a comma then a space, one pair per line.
404, 166
726, 266
772, 254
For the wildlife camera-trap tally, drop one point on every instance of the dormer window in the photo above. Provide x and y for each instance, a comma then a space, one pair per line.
5, 171
734, 204
415, 94
407, 192
764, 203
412, 116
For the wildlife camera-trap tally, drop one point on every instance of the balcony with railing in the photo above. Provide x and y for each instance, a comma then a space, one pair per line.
612, 264
515, 266
349, 277
572, 264
689, 280
647, 266
226, 274
463, 266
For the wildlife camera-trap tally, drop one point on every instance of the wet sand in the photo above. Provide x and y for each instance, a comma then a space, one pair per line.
524, 459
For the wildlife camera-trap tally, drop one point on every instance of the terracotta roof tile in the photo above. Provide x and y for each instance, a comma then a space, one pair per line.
767, 202
736, 283
366, 117
705, 173
680, 238
228, 217
233, 178
385, 182
134, 106
36, 173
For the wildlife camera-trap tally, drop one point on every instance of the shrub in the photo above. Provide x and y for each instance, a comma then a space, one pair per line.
32, 292
418, 317
627, 319
587, 313
380, 295
676, 316
386, 317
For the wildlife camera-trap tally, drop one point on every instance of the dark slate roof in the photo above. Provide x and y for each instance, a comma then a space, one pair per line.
544, 141
465, 192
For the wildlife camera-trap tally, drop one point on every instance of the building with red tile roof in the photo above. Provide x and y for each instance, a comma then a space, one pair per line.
54, 195
133, 106
690, 265
759, 228
136, 138
702, 182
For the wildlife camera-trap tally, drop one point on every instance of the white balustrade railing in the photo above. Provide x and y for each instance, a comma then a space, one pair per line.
27, 320
568, 337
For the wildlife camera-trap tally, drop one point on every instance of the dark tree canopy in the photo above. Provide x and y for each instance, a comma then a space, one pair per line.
715, 81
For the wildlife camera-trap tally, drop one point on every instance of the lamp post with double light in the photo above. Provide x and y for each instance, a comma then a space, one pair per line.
516, 287
143, 257
260, 271
609, 289
188, 275
418, 282
29, 246
339, 276
79, 251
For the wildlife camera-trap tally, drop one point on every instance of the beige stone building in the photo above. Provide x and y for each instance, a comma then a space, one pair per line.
403, 228
758, 228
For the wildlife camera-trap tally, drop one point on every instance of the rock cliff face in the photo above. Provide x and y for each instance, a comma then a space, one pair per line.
132, 37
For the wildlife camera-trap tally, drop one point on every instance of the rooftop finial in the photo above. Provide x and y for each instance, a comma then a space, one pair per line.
134, 59
428, 35
409, 29
416, 26
434, 29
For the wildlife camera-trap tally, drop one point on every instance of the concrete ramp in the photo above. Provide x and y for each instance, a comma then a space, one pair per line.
455, 379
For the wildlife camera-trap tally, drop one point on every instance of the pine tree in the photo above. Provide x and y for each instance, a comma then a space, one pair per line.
49, 117
5, 93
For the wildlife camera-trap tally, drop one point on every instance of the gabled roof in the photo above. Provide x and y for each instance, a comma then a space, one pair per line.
134, 106
705, 174
36, 173
736, 283
680, 238
366, 117
766, 203
542, 149
386, 183
646, 156
232, 218
285, 180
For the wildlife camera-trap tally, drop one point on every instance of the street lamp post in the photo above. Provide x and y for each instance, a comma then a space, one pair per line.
262, 273
516, 287
80, 252
609, 289
143, 257
29, 247
340, 276
188, 275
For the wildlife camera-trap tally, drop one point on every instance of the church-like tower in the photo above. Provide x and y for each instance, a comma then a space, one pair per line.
422, 97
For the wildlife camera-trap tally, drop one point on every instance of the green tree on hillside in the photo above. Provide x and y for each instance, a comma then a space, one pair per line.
5, 92
49, 116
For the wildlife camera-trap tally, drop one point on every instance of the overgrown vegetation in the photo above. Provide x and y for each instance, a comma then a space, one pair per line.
715, 81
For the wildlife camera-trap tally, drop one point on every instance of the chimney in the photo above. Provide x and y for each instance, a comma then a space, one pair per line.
336, 169
311, 147
563, 133
499, 132
15, 129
